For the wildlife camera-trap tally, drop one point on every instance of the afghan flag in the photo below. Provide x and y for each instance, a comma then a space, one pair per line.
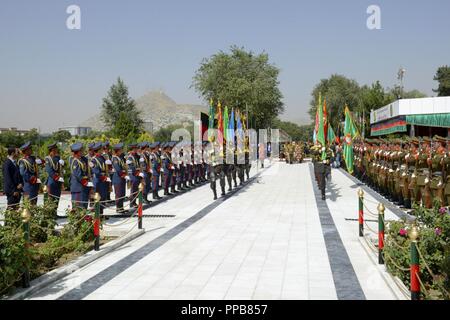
350, 132
225, 124
321, 128
220, 123
211, 120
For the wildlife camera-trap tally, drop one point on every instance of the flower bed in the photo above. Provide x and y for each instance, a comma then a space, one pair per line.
434, 251
48, 249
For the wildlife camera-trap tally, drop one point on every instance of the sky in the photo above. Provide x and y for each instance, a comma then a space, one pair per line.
51, 76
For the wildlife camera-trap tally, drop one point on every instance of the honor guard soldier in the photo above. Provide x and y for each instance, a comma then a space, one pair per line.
54, 168
156, 169
215, 170
166, 166
100, 174
437, 184
134, 171
90, 156
79, 179
120, 177
29, 170
144, 164
107, 155
173, 169
13, 183
447, 174
181, 167
412, 159
424, 173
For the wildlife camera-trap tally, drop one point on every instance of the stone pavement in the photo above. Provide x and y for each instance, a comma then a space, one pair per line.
272, 239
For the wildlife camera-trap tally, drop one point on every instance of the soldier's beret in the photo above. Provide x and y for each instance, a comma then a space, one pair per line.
52, 146
118, 146
25, 146
76, 147
91, 145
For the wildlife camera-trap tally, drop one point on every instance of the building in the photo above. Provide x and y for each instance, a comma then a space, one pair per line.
77, 130
15, 130
414, 117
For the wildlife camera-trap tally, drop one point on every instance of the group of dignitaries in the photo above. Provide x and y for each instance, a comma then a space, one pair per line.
415, 171
104, 168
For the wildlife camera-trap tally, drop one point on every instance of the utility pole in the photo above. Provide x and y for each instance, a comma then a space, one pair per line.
400, 77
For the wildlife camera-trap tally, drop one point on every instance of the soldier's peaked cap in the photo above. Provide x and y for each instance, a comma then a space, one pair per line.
76, 147
105, 144
142, 145
414, 140
132, 145
440, 139
52, 146
118, 146
25, 146
426, 139
91, 145
97, 146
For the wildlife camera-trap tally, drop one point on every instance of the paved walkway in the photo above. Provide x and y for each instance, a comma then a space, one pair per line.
272, 239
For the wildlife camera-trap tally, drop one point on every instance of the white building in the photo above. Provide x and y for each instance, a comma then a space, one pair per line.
77, 130
415, 117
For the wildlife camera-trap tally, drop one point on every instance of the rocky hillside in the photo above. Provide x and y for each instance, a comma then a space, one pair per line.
159, 110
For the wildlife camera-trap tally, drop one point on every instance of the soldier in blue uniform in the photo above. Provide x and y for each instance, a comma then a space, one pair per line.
134, 171
12, 180
79, 179
166, 168
100, 174
144, 163
107, 155
155, 169
28, 167
54, 168
120, 177
173, 169
88, 158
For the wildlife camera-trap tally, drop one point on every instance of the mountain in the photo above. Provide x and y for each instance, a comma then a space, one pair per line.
158, 110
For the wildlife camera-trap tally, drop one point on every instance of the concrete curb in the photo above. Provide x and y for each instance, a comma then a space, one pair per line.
54, 275
395, 284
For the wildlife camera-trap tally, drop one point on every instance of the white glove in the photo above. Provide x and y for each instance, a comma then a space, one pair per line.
129, 162
90, 184
91, 164
108, 180
323, 149
127, 178
108, 162
141, 175
141, 160
61, 179
38, 161
38, 181
61, 162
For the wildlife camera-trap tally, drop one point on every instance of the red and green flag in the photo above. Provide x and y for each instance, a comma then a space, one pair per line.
220, 123
350, 132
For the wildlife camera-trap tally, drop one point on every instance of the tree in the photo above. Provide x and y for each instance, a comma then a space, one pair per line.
297, 133
61, 136
241, 79
119, 112
165, 134
443, 77
125, 129
338, 92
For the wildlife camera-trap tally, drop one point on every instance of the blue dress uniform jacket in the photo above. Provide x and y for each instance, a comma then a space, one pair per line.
134, 171
11, 180
100, 172
119, 181
54, 173
30, 175
79, 179
156, 167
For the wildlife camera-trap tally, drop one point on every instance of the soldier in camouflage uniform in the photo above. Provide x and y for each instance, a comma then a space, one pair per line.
424, 173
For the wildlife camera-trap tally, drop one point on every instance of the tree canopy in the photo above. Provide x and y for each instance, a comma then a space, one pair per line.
240, 79
443, 77
120, 114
